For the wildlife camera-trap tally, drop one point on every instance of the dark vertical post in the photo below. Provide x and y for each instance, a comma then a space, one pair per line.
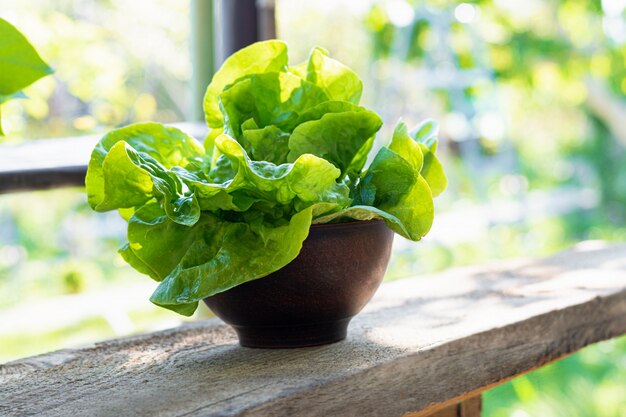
239, 25
202, 53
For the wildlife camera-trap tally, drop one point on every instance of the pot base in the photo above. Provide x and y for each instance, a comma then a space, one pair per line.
294, 336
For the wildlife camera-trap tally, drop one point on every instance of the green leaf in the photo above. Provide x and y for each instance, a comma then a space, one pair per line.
419, 151
331, 106
399, 190
432, 171
20, 64
336, 137
260, 57
426, 133
337, 80
299, 70
359, 160
230, 254
237, 182
270, 99
211, 193
209, 140
121, 183
334, 106
130, 166
363, 213
308, 178
267, 144
140, 266
406, 147
426, 136
151, 234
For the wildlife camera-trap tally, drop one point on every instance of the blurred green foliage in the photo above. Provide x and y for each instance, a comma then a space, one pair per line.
531, 91
112, 67
589, 383
519, 78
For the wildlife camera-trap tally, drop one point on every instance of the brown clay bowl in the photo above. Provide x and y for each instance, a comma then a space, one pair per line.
311, 300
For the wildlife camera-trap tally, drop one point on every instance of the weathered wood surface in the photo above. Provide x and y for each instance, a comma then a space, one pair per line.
50, 163
422, 344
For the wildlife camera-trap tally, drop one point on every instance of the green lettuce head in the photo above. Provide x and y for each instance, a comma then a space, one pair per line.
287, 148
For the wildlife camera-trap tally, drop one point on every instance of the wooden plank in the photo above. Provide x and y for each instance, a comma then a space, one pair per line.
51, 163
422, 344
471, 407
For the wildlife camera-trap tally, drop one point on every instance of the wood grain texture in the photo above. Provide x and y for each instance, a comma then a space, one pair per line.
422, 343
470, 407
52, 163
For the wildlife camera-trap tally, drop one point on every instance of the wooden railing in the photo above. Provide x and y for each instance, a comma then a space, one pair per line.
53, 163
424, 346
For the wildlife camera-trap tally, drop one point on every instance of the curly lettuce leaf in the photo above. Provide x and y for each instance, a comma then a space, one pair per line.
405, 146
267, 144
275, 98
426, 136
360, 158
117, 182
151, 234
309, 178
258, 58
229, 254
130, 166
426, 133
432, 171
337, 80
336, 137
394, 186
363, 213
332, 106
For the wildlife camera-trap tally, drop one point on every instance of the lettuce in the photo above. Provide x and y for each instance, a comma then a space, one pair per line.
287, 148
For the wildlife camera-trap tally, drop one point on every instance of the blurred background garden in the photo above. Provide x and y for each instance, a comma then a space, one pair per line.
529, 94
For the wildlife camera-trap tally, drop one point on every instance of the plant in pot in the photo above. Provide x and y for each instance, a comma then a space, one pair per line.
275, 222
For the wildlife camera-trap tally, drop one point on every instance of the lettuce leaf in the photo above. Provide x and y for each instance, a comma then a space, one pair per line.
151, 233
309, 178
394, 186
130, 166
273, 98
337, 80
229, 254
258, 58
336, 137
266, 144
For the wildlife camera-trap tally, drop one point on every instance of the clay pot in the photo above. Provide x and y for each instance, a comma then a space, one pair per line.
312, 299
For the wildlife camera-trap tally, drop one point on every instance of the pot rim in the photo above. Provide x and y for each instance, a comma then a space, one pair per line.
351, 223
